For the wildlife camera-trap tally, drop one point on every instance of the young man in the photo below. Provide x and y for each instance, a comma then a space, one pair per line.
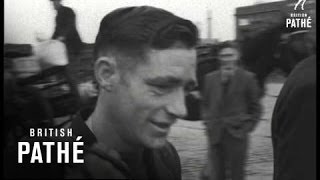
145, 62
231, 110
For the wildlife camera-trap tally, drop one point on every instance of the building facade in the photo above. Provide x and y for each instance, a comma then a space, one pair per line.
250, 20
253, 19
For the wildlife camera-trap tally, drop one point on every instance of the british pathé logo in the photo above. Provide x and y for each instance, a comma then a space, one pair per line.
298, 19
300, 2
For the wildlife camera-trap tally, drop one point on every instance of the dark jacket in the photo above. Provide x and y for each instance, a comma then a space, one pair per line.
237, 112
66, 27
294, 125
161, 163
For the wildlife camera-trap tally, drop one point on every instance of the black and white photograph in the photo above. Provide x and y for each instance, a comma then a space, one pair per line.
159, 89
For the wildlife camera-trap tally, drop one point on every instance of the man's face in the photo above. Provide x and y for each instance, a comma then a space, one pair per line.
153, 96
228, 62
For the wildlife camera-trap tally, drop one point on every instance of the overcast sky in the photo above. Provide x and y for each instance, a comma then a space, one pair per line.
24, 18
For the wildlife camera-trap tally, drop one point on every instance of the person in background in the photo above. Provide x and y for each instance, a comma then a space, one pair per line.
231, 110
294, 125
66, 32
294, 119
65, 29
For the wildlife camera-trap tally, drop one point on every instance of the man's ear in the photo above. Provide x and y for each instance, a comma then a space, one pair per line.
105, 71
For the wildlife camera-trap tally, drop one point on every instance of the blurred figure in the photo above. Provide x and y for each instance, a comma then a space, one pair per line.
231, 110
66, 32
65, 29
24, 107
294, 120
294, 125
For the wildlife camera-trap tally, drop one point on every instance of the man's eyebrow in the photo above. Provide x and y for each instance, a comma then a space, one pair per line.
168, 80
226, 54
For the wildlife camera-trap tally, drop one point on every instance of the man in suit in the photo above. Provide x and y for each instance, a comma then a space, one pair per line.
65, 29
231, 110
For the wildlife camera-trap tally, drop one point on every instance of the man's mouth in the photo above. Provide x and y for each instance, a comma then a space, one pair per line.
161, 124
162, 127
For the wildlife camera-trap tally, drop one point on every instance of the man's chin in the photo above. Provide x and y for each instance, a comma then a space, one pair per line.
156, 143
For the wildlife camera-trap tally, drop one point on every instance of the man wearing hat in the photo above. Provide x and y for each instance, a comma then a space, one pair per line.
231, 110
145, 62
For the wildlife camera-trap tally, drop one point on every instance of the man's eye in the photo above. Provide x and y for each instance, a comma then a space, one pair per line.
161, 89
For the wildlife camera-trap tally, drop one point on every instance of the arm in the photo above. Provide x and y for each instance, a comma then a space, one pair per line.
254, 105
300, 133
205, 99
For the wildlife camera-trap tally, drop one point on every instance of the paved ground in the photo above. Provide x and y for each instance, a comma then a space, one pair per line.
190, 140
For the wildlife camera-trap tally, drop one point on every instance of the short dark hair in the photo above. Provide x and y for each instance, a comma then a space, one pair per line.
133, 30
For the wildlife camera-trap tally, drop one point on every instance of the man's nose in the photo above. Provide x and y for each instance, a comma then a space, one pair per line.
177, 106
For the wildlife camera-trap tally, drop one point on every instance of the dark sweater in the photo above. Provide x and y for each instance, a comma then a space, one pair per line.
161, 163
294, 125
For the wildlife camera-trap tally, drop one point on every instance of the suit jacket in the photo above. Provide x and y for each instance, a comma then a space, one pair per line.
237, 111
66, 27
294, 125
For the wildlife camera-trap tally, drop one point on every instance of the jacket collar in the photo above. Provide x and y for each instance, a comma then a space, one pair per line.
81, 129
156, 167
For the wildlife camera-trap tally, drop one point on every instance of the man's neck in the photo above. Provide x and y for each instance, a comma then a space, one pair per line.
133, 157
107, 134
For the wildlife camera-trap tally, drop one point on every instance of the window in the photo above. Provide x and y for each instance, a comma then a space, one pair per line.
243, 22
